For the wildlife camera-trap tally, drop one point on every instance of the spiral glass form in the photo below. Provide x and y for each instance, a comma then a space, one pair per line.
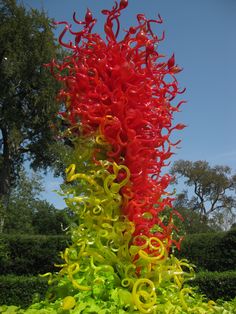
118, 97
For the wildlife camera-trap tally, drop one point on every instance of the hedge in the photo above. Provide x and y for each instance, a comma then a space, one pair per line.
210, 251
20, 290
30, 254
216, 285
36, 254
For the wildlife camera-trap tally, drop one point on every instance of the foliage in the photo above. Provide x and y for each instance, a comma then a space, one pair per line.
28, 214
216, 285
30, 254
49, 221
21, 204
211, 187
28, 93
21, 290
222, 219
210, 251
192, 221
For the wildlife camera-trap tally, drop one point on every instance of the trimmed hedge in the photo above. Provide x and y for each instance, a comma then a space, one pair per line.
36, 254
21, 290
30, 254
210, 251
216, 285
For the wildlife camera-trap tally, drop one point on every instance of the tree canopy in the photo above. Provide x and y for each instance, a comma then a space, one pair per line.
28, 214
27, 91
213, 188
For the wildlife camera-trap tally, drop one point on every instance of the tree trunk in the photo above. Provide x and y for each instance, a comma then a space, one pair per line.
2, 222
5, 177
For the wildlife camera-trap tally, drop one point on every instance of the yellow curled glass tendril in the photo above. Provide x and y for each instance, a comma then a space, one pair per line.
182, 299
117, 168
124, 251
82, 248
127, 282
178, 273
109, 179
99, 280
94, 255
103, 233
71, 176
103, 268
78, 286
50, 279
60, 265
129, 268
158, 241
65, 255
97, 210
73, 269
153, 259
113, 187
143, 299
92, 263
114, 246
100, 140
178, 280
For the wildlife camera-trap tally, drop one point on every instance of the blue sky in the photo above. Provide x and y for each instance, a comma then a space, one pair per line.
202, 34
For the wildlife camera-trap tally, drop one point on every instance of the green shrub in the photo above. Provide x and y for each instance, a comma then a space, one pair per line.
210, 251
21, 290
30, 254
216, 285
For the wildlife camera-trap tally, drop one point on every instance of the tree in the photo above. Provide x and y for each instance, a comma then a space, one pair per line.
192, 222
21, 204
28, 214
213, 187
27, 93
222, 219
49, 220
